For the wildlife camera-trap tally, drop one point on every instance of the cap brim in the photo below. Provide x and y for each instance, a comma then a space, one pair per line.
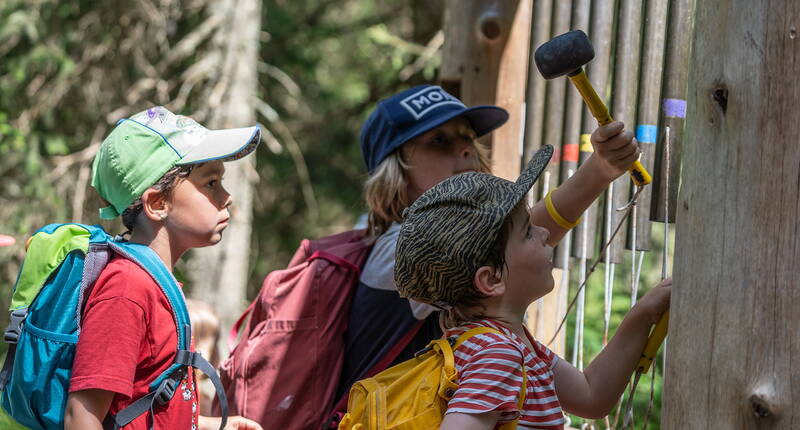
485, 118
226, 145
534, 169
482, 119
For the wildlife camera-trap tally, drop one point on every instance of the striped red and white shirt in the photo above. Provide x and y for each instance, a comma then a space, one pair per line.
490, 377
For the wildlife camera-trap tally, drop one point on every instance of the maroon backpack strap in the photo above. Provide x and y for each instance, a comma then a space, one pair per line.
238, 325
341, 406
335, 259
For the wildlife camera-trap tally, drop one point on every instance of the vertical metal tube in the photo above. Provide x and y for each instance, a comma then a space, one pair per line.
655, 29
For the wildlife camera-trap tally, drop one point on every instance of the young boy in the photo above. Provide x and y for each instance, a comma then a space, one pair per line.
468, 246
163, 174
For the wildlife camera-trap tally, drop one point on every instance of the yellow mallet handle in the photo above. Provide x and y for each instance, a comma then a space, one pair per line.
600, 112
653, 343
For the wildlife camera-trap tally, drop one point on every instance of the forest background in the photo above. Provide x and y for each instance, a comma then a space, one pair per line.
70, 70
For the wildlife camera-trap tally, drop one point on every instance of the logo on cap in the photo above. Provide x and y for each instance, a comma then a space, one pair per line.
422, 102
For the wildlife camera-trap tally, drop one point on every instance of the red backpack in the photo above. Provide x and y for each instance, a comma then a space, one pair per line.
285, 370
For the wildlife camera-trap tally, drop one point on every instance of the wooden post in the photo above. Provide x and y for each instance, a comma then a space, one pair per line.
735, 316
486, 61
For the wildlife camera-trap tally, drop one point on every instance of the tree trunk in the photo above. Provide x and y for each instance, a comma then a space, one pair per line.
219, 273
735, 319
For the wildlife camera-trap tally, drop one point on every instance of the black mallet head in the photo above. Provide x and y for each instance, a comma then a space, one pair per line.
564, 54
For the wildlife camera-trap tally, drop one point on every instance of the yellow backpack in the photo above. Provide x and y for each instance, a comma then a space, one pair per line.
413, 394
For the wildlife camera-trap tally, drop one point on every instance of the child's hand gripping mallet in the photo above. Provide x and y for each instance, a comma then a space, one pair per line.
565, 55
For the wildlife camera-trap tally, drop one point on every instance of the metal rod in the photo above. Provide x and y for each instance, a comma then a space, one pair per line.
655, 29
673, 106
598, 71
535, 94
624, 96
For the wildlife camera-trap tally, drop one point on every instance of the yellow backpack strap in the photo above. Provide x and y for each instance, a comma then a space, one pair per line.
474, 332
521, 403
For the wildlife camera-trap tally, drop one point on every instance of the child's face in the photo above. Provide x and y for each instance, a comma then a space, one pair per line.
198, 207
439, 154
528, 275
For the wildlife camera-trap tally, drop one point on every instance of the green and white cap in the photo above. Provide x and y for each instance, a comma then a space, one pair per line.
142, 148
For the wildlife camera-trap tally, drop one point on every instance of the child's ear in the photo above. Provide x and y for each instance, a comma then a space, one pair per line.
154, 205
488, 281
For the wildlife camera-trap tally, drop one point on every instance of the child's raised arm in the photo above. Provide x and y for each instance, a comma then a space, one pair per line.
86, 409
595, 391
615, 150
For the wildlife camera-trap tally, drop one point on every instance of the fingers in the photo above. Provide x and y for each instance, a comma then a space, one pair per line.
605, 132
616, 145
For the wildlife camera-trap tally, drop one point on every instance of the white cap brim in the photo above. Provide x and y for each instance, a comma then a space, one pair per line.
226, 145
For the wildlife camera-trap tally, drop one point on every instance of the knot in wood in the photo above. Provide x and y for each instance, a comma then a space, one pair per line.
490, 27
761, 407
763, 402
720, 96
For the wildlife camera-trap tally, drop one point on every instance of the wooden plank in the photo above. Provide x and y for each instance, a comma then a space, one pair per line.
489, 63
735, 318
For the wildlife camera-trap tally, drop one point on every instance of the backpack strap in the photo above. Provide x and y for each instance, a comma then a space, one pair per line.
234, 333
522, 393
164, 386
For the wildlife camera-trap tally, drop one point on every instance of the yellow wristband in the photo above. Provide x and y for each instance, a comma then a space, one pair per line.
548, 203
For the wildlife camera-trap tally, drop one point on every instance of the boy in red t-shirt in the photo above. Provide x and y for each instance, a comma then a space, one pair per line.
163, 174
468, 245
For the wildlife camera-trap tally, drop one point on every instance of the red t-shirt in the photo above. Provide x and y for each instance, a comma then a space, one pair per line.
128, 337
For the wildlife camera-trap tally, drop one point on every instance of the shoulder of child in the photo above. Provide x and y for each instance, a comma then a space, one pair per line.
485, 345
123, 278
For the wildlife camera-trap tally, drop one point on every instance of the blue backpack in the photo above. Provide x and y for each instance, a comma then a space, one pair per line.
62, 263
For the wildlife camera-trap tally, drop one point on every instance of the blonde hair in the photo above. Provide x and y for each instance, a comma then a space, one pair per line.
206, 332
386, 193
205, 328
386, 189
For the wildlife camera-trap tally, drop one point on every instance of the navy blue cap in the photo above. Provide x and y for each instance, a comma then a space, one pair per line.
415, 111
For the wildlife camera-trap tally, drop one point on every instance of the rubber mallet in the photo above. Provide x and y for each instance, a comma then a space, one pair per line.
566, 55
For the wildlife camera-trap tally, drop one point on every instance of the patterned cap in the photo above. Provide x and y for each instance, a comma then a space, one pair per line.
447, 232
142, 148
